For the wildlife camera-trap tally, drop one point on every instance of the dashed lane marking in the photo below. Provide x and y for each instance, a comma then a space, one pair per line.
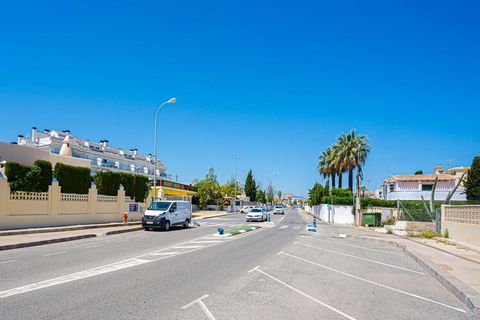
54, 253
283, 227
9, 261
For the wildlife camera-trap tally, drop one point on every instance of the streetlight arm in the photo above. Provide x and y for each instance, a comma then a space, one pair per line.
172, 100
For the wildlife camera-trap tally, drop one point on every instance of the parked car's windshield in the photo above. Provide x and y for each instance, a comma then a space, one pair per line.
159, 205
256, 210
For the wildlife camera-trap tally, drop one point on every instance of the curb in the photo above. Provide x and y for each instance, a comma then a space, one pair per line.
458, 244
60, 229
109, 233
456, 287
42, 242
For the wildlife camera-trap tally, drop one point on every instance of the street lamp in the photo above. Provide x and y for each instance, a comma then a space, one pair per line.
235, 195
171, 100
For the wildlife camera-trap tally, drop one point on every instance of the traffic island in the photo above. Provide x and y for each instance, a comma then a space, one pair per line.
238, 230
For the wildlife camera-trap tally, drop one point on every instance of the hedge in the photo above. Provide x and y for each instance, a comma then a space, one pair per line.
27, 178
46, 174
72, 179
345, 201
135, 185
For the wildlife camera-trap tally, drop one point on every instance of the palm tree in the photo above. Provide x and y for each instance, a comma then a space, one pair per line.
361, 150
326, 164
346, 151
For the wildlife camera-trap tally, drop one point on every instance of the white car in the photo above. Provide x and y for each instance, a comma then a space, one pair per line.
279, 209
257, 214
246, 209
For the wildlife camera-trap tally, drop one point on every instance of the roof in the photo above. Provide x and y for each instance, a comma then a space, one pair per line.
463, 168
421, 177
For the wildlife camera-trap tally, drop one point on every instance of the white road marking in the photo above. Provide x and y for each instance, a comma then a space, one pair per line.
282, 218
373, 282
303, 293
72, 277
54, 253
8, 261
283, 227
187, 247
202, 305
206, 241
164, 253
360, 258
95, 246
358, 247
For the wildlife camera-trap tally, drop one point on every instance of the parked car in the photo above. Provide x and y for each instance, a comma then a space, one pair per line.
165, 214
279, 209
257, 214
246, 209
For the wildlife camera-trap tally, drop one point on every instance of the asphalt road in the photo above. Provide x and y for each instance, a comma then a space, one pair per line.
277, 272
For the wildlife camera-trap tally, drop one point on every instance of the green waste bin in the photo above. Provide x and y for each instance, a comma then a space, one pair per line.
371, 219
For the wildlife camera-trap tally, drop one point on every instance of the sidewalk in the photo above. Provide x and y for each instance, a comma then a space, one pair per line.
455, 268
16, 241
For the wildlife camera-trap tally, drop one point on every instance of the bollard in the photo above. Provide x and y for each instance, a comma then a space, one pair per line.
220, 230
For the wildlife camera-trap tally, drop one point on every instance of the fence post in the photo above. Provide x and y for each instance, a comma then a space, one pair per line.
4, 195
121, 199
54, 197
92, 199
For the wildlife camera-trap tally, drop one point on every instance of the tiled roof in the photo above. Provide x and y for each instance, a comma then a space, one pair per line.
421, 177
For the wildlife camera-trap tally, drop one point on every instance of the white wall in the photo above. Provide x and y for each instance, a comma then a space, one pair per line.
338, 214
417, 195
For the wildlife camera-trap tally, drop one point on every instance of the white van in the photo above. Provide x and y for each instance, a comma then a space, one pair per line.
165, 214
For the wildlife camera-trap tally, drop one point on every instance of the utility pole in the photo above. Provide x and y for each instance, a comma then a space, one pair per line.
235, 195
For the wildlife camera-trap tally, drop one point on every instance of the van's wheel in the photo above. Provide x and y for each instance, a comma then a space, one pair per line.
167, 226
187, 222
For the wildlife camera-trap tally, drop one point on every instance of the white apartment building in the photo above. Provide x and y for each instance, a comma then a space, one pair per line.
101, 155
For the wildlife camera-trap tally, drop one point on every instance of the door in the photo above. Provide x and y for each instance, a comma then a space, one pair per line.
173, 214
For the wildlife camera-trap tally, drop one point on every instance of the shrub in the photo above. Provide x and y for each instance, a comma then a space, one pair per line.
136, 186
373, 202
389, 231
72, 179
107, 182
446, 234
27, 178
46, 174
429, 234
346, 201
472, 185
342, 193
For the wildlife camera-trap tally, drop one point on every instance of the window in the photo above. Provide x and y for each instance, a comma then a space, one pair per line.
392, 187
427, 187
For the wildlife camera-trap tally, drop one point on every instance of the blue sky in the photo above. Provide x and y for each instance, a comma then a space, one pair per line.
272, 82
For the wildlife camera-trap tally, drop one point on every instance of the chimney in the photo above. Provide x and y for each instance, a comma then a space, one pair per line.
46, 131
34, 134
20, 139
439, 170
134, 151
104, 143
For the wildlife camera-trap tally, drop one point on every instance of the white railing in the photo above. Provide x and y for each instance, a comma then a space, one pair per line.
463, 214
74, 197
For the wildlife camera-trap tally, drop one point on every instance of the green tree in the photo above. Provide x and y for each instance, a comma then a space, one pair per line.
472, 185
208, 189
316, 194
279, 193
270, 193
250, 186
260, 196
418, 172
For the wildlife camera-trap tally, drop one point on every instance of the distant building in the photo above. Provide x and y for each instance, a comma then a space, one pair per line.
414, 186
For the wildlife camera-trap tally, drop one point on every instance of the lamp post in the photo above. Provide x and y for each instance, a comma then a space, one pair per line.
235, 195
171, 100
